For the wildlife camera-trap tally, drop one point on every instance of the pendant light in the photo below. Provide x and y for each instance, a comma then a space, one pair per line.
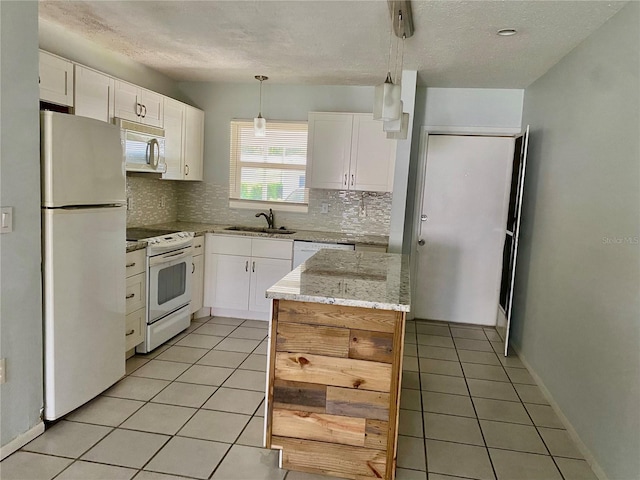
386, 103
259, 122
396, 126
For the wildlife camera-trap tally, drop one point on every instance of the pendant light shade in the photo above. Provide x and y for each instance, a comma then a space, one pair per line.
393, 125
259, 122
387, 104
404, 129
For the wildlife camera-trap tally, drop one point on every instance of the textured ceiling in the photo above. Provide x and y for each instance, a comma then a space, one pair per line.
336, 42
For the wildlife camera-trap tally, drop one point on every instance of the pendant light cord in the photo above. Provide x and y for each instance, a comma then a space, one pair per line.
396, 74
260, 109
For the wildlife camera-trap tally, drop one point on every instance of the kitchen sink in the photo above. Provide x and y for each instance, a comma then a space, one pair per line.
282, 231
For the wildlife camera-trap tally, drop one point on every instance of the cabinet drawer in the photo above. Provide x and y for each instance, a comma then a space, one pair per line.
135, 262
198, 246
272, 248
136, 293
229, 245
134, 330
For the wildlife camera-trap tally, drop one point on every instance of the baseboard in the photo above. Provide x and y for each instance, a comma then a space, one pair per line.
586, 453
246, 314
19, 442
203, 312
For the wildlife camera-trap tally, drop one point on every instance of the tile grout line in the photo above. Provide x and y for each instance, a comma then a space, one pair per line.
424, 431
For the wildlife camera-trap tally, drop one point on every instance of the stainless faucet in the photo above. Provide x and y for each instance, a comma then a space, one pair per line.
269, 218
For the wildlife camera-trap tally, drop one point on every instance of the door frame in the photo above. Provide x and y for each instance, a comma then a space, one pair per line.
425, 131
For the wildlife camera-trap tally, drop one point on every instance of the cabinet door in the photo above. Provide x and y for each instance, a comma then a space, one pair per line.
135, 328
152, 108
329, 150
193, 143
93, 94
127, 101
264, 273
372, 156
197, 283
174, 113
56, 79
228, 281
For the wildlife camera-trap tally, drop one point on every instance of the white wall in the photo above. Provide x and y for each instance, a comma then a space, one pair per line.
20, 293
71, 46
576, 313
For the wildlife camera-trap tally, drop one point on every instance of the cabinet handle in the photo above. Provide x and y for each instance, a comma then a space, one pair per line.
186, 169
138, 109
246, 266
193, 267
131, 295
132, 264
130, 332
253, 266
353, 179
345, 179
198, 246
144, 112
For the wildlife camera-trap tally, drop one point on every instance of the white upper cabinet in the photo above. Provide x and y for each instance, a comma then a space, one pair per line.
174, 113
193, 143
329, 150
184, 141
56, 79
94, 92
138, 104
373, 156
349, 151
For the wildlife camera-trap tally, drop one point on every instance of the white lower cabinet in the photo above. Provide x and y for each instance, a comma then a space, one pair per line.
197, 275
136, 300
239, 270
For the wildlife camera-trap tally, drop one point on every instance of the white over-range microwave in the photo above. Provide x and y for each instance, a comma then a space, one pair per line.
143, 147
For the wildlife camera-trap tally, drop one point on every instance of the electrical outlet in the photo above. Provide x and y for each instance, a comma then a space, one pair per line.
129, 203
324, 208
6, 225
163, 202
3, 370
362, 211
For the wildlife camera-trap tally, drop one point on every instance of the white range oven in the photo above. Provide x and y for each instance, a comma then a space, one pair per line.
169, 269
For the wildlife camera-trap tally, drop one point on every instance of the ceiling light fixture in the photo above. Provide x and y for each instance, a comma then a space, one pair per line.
387, 105
507, 32
260, 123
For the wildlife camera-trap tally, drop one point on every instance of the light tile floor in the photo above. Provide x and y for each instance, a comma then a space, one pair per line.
194, 409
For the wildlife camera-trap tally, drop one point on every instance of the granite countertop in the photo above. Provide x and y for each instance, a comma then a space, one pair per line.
354, 279
306, 235
133, 246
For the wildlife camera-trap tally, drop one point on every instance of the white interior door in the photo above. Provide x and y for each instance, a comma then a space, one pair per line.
464, 208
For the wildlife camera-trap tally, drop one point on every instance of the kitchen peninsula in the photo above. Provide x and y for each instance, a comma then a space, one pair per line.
335, 363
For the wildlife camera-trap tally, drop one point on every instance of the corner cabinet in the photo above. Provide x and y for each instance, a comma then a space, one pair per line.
349, 151
138, 104
239, 270
184, 141
55, 79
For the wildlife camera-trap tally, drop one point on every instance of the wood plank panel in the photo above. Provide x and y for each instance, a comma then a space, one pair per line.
271, 372
316, 339
373, 346
337, 316
396, 381
376, 432
319, 426
308, 397
330, 459
357, 403
340, 372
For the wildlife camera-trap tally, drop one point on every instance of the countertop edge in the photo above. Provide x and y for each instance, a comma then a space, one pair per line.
340, 302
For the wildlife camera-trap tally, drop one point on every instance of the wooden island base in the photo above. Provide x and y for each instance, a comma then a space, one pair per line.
333, 388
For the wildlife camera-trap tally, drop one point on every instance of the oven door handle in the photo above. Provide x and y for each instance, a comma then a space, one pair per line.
169, 257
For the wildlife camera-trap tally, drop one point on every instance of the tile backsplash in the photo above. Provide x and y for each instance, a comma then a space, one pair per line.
348, 212
152, 200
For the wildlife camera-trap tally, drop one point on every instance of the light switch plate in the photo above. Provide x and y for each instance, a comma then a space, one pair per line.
6, 219
324, 208
3, 370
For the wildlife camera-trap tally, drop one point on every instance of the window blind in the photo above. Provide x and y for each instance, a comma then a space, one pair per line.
270, 168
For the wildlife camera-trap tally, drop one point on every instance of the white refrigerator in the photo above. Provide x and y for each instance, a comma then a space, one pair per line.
83, 240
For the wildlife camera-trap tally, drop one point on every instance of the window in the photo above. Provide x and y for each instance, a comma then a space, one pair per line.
268, 170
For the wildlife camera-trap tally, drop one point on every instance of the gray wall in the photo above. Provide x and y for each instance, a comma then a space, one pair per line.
20, 296
577, 307
60, 41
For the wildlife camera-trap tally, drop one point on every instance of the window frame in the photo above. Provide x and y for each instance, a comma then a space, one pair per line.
235, 170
